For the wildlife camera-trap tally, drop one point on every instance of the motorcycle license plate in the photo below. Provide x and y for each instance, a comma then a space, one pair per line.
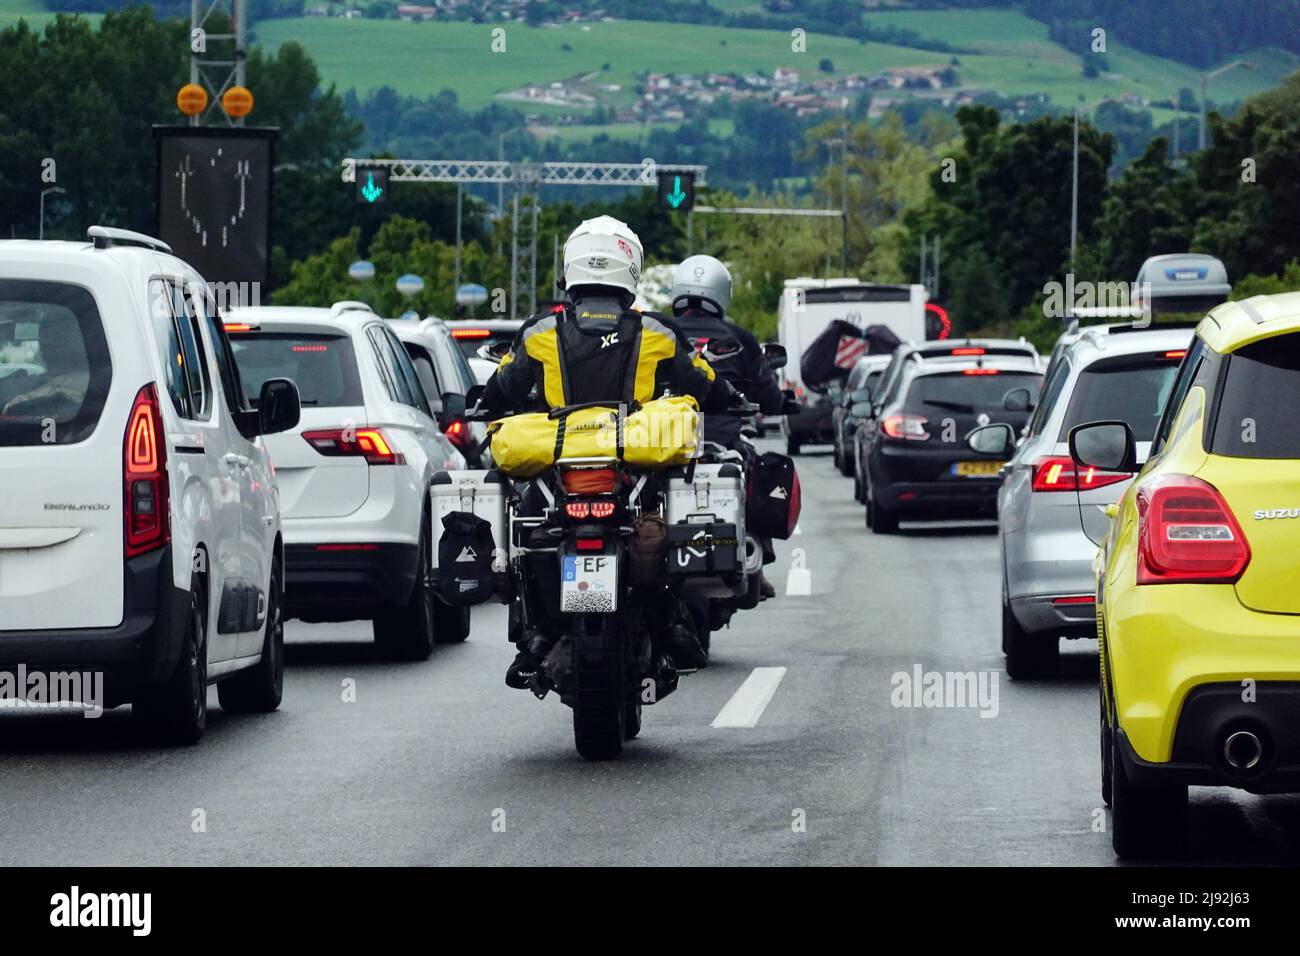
977, 469
589, 584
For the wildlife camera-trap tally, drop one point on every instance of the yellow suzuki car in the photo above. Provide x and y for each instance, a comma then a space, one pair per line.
1198, 580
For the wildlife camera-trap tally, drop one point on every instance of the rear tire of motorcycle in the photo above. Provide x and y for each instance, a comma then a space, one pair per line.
599, 709
631, 720
598, 732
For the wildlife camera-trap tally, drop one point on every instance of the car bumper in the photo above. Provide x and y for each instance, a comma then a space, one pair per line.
813, 424
1164, 642
345, 582
1208, 716
142, 651
1057, 614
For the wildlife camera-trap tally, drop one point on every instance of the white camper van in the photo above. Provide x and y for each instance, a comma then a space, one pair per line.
807, 307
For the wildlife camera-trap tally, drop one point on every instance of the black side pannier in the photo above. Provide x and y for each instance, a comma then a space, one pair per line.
464, 574
772, 501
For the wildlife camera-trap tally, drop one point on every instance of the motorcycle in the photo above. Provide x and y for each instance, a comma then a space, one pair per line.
607, 569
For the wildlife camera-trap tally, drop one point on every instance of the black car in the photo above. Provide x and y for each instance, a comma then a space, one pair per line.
860, 385
912, 457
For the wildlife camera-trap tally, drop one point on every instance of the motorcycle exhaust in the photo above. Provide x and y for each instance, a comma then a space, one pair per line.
753, 555
1243, 750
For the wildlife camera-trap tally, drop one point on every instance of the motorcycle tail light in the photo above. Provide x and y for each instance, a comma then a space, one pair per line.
577, 509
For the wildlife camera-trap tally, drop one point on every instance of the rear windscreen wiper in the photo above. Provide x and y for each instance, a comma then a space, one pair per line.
951, 406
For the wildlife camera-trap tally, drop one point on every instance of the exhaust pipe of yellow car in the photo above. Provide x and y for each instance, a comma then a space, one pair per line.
1242, 750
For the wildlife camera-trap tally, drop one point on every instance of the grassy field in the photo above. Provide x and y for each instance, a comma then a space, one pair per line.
423, 58
1016, 57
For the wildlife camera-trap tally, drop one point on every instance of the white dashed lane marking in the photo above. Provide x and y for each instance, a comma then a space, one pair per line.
750, 699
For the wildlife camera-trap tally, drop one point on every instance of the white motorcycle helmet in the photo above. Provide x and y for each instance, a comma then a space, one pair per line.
604, 252
704, 278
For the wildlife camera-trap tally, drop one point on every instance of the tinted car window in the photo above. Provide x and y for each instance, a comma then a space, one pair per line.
471, 340
402, 367
425, 371
322, 366
1051, 395
1256, 417
1129, 389
54, 364
959, 391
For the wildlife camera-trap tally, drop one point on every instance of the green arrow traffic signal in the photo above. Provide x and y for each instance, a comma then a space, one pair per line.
677, 190
370, 192
676, 196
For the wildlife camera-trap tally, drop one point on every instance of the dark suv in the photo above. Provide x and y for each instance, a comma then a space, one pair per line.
912, 456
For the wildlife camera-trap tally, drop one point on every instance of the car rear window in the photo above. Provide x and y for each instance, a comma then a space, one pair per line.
54, 365
471, 340
323, 367
1127, 389
964, 390
1256, 418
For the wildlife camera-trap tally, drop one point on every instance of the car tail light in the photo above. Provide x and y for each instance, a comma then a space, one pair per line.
1076, 599
146, 506
1187, 533
458, 433
1057, 473
1176, 353
911, 427
979, 371
367, 443
239, 327
470, 333
590, 481
968, 351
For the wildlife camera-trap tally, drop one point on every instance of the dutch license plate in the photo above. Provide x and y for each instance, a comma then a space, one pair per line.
589, 584
977, 469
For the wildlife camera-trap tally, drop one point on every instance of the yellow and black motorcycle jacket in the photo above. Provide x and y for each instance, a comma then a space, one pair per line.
595, 350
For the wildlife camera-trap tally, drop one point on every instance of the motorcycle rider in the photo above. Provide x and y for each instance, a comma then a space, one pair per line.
597, 348
701, 293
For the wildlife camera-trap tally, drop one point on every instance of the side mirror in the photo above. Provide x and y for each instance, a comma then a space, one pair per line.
1109, 446
1018, 400
998, 439
453, 406
776, 355
278, 406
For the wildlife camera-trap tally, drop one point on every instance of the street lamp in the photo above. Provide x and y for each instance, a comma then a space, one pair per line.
1205, 79
44, 193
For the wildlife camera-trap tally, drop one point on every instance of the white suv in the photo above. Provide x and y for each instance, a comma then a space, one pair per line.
354, 475
139, 524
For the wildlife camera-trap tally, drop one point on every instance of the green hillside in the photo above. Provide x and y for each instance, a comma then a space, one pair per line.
1015, 56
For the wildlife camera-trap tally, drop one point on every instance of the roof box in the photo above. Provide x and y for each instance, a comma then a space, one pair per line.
1184, 282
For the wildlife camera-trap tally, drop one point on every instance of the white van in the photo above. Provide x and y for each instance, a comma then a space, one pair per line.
139, 513
807, 307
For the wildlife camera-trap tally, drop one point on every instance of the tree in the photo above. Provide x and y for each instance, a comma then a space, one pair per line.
1145, 214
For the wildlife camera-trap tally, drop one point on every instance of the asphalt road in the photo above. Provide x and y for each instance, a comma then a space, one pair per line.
440, 763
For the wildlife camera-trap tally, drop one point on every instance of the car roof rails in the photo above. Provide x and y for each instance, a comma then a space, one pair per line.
349, 305
1152, 326
106, 237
